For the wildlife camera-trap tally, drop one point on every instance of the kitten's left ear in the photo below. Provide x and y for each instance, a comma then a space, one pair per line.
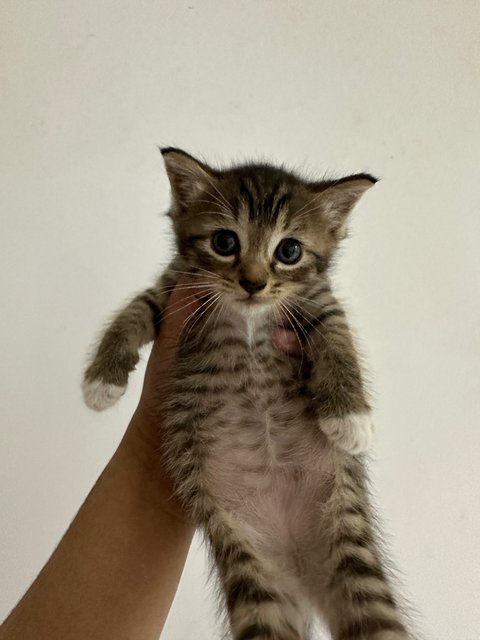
338, 198
188, 176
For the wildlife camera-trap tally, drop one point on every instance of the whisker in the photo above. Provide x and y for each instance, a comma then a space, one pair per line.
210, 302
316, 197
313, 327
220, 311
223, 198
307, 204
295, 319
308, 338
315, 303
181, 287
212, 273
194, 313
278, 319
175, 307
197, 275
207, 310
221, 202
289, 317
210, 202
209, 213
216, 199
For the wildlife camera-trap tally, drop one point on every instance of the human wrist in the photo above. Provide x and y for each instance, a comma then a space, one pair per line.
139, 455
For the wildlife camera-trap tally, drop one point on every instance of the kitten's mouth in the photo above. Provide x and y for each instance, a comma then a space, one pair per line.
249, 300
252, 306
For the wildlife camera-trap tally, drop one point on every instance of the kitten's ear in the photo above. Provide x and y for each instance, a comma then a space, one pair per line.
187, 175
338, 198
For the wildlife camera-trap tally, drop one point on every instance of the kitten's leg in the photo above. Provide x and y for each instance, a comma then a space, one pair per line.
262, 602
116, 355
345, 573
336, 380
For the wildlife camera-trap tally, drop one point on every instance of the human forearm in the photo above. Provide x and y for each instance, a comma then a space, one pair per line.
115, 572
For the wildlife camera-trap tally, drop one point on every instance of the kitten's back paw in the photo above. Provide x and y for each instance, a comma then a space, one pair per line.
353, 433
99, 395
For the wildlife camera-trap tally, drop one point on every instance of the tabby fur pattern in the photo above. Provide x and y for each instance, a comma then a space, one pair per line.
266, 449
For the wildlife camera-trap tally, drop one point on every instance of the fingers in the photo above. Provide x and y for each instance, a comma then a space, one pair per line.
287, 341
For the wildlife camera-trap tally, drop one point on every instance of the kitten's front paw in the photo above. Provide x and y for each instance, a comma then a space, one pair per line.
353, 433
99, 395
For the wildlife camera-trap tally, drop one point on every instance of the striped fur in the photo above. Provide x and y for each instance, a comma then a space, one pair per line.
264, 448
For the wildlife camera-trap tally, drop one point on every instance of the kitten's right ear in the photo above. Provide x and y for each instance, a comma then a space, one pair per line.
188, 176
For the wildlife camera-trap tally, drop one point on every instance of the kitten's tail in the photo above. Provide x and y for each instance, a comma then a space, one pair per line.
360, 601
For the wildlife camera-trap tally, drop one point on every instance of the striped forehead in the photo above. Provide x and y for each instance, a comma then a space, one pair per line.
262, 206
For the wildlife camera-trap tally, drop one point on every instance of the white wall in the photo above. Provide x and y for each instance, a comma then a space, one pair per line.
87, 91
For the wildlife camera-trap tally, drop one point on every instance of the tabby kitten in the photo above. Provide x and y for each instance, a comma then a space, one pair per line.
264, 447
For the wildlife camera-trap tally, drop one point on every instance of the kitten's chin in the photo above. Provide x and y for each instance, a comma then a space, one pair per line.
253, 308
248, 308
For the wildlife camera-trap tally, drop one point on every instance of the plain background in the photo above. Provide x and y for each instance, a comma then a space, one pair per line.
87, 91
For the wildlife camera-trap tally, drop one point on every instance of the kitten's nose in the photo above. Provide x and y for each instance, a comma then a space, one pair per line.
252, 287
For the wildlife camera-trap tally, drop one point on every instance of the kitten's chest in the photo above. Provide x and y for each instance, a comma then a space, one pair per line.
255, 377
257, 413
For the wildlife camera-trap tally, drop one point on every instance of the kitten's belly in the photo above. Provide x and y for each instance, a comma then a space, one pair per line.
268, 458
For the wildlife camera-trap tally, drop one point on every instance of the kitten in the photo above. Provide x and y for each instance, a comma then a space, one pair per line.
264, 447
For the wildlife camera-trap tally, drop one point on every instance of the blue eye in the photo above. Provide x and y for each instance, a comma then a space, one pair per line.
289, 251
225, 242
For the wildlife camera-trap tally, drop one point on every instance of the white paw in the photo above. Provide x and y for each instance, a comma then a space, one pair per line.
100, 395
352, 433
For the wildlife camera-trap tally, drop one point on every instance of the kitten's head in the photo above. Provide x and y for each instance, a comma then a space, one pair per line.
256, 234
